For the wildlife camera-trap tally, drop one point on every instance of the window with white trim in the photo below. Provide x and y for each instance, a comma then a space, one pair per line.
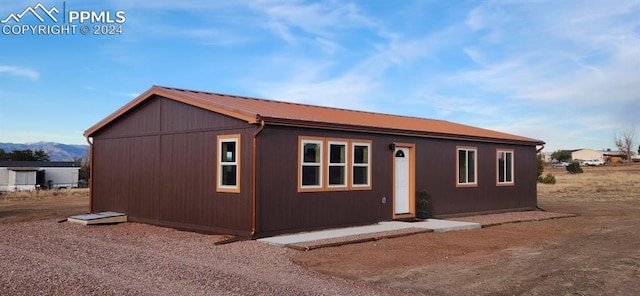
467, 166
337, 164
228, 163
311, 164
505, 166
361, 164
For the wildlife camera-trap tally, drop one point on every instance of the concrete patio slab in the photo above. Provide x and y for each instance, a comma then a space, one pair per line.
435, 225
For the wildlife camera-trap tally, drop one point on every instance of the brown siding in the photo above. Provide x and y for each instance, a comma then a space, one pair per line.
168, 178
435, 172
124, 176
143, 120
283, 209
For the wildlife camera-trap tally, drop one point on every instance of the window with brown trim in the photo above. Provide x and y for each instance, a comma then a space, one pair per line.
311, 163
361, 164
345, 165
467, 163
228, 163
337, 164
505, 167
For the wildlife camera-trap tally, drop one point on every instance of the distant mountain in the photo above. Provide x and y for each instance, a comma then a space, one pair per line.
56, 151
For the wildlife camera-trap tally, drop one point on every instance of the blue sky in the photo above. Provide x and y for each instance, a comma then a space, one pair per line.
566, 72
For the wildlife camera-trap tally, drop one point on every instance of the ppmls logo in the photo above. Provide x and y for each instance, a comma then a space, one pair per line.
54, 21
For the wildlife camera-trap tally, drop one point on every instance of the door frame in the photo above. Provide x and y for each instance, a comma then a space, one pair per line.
412, 178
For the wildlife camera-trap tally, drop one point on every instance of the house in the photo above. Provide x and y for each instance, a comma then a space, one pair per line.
219, 163
614, 156
586, 154
31, 175
546, 156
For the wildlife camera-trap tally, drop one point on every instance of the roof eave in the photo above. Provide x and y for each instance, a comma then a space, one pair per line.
391, 131
170, 94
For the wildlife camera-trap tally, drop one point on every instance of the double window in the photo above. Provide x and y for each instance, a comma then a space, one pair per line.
467, 163
505, 167
228, 163
334, 164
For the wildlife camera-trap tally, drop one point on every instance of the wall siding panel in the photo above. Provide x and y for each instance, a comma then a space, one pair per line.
144, 120
166, 175
282, 209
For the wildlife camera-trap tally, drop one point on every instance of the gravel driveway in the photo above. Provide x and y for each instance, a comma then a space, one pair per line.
47, 258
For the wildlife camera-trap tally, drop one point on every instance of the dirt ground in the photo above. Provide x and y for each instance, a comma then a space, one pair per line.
39, 205
596, 253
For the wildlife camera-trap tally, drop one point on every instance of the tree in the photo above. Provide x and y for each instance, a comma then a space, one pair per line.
3, 155
540, 167
574, 168
27, 155
624, 139
561, 155
638, 149
40, 155
85, 169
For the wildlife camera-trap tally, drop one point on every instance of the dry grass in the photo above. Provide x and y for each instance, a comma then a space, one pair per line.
608, 183
42, 194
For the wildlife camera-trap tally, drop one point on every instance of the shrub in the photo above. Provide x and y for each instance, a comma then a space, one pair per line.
540, 167
423, 201
574, 168
548, 179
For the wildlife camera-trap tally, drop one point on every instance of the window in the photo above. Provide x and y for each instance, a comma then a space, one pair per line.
228, 163
361, 166
311, 164
326, 164
337, 171
505, 167
467, 164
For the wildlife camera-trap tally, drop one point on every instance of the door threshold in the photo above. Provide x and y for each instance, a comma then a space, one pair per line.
404, 216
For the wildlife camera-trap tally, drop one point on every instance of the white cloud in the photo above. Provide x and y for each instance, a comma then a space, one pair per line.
348, 91
19, 72
328, 46
583, 59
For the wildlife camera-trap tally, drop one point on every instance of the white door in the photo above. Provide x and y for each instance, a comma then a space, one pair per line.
401, 184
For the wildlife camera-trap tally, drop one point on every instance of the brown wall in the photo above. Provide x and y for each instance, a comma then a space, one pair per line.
283, 209
158, 165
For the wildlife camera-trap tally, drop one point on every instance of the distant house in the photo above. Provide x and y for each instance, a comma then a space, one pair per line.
586, 154
546, 156
614, 156
251, 167
30, 175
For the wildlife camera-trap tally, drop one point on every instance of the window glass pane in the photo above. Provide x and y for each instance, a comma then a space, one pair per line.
509, 161
336, 175
229, 175
311, 153
337, 153
360, 175
472, 166
501, 167
228, 152
360, 154
462, 166
310, 175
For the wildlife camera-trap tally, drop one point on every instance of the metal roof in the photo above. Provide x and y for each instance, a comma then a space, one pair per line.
38, 164
273, 112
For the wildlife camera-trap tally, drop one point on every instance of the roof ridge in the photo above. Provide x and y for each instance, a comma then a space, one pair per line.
300, 104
